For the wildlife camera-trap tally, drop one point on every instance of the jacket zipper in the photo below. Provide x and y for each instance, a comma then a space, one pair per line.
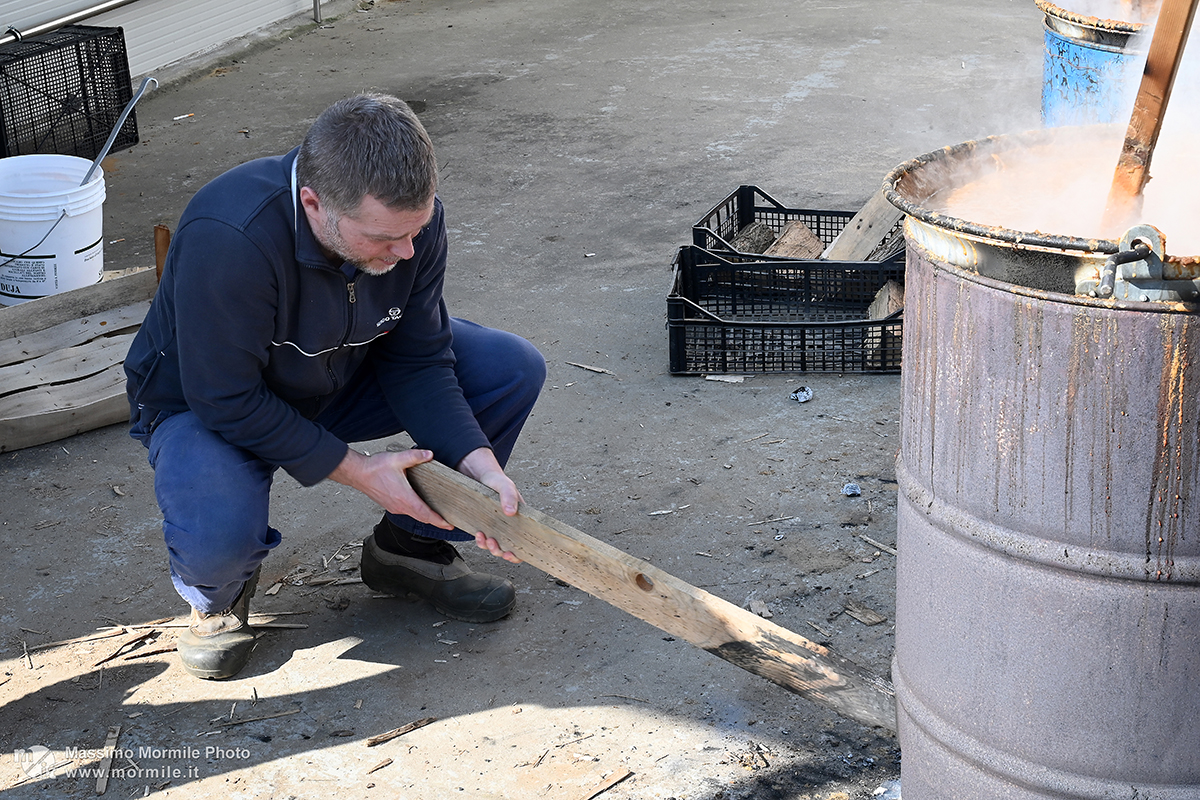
349, 329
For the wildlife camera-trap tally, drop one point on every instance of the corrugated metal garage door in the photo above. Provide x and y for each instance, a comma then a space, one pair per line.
160, 32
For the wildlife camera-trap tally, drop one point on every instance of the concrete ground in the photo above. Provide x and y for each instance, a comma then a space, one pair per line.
578, 143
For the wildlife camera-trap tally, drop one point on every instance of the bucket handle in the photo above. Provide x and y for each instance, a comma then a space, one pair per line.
112, 137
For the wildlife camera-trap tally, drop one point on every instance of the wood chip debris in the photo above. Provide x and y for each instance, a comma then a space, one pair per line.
253, 624
819, 629
627, 697
156, 651
110, 744
768, 521
760, 608
258, 719
397, 732
379, 766
573, 741
865, 615
590, 368
885, 548
137, 637
609, 782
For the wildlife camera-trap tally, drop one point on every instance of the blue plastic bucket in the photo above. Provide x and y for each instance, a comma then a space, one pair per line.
1091, 66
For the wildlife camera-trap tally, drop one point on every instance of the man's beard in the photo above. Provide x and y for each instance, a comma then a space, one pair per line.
331, 239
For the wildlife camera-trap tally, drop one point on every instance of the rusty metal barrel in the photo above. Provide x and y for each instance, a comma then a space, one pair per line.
1048, 578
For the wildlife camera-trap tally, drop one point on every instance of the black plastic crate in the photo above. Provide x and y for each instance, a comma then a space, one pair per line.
63, 91
749, 204
729, 313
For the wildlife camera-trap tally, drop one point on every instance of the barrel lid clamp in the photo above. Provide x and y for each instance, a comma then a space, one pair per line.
1135, 271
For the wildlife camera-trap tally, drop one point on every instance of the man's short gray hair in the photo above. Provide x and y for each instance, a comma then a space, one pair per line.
371, 144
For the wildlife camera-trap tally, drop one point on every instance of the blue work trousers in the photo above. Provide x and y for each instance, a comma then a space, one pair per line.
214, 496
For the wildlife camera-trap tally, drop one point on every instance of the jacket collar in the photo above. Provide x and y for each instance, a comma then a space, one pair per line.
308, 252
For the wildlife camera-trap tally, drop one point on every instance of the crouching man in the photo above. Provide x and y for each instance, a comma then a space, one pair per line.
300, 309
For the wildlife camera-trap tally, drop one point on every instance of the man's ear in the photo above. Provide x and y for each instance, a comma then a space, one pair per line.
310, 201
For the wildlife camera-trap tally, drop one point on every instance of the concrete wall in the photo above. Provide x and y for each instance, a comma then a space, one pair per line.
162, 32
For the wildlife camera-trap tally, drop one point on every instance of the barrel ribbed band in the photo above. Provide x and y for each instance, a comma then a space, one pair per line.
989, 764
1184, 571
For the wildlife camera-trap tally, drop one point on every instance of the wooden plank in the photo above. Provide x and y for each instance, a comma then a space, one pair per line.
864, 232
76, 304
1145, 123
649, 593
74, 332
796, 241
50, 413
162, 243
67, 364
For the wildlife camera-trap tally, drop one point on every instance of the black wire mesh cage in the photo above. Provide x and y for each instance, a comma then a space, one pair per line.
62, 92
730, 313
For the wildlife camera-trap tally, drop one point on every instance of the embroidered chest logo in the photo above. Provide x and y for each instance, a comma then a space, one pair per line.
393, 314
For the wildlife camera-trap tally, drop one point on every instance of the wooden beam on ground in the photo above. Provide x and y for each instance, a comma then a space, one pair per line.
1149, 110
865, 231
664, 601
61, 360
37, 315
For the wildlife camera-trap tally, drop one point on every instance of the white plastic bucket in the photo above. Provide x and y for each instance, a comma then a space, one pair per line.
51, 228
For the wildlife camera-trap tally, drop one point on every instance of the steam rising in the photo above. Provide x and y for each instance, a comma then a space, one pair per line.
1061, 189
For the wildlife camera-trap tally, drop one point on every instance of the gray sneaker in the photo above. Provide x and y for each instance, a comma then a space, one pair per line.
217, 645
434, 571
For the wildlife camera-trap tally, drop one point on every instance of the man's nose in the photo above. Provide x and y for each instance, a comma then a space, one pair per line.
402, 249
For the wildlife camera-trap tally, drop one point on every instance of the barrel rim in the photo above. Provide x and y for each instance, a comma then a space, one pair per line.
991, 232
1087, 20
1112, 303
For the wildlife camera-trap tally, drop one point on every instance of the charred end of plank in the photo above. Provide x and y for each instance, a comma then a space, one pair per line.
1135, 155
830, 681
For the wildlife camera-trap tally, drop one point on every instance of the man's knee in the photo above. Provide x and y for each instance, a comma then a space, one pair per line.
214, 499
529, 365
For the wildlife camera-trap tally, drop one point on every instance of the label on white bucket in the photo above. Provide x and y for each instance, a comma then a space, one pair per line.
51, 228
38, 275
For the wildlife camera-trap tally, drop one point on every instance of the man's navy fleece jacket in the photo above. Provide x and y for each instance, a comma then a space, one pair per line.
255, 331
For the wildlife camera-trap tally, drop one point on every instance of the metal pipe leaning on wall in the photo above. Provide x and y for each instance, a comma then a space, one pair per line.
14, 35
